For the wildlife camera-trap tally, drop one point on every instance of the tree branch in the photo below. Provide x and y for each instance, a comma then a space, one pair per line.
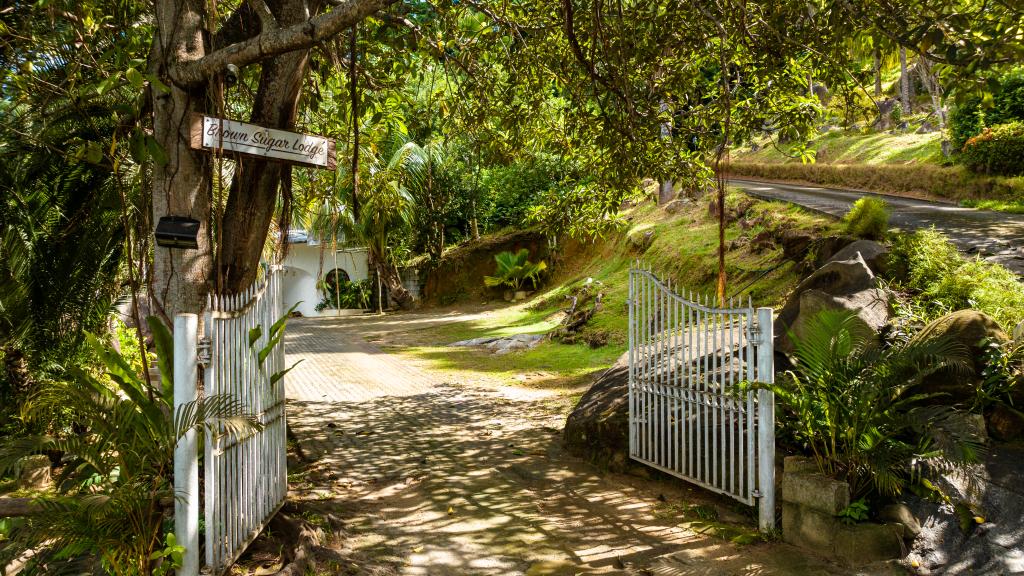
273, 42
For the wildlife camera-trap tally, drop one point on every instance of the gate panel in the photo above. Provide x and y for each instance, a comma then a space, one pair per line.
245, 480
688, 415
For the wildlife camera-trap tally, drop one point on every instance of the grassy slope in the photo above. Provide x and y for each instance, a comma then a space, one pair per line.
684, 251
855, 147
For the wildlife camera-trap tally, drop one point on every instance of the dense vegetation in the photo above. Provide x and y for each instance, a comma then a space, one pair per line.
452, 119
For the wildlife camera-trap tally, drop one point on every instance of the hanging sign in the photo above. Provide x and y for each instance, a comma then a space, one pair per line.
209, 133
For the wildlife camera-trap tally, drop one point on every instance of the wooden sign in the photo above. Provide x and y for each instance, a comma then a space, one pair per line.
209, 133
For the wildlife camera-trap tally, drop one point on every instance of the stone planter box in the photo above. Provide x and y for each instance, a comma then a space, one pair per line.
810, 502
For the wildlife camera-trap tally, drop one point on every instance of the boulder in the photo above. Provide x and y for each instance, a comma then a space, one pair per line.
872, 305
676, 206
970, 328
926, 128
795, 244
838, 285
875, 255
641, 240
598, 427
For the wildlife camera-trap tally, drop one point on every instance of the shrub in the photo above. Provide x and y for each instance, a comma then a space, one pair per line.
970, 117
965, 121
514, 270
928, 265
997, 150
850, 403
868, 218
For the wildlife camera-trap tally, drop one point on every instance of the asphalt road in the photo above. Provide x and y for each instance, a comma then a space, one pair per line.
995, 236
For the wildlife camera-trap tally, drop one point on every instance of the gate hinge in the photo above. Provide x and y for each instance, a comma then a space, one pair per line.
203, 351
756, 494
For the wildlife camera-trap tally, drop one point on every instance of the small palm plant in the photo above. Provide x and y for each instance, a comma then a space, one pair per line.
852, 401
108, 513
514, 270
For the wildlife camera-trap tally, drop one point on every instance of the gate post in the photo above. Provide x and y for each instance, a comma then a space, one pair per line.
766, 420
186, 455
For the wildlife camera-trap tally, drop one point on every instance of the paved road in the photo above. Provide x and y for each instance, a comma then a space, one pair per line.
994, 235
439, 479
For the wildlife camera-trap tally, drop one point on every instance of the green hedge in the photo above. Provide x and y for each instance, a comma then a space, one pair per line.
998, 150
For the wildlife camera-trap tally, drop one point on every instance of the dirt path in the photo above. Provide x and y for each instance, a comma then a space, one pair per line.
996, 236
432, 478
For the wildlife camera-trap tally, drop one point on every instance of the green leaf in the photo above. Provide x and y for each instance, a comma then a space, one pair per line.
278, 375
135, 78
164, 343
254, 335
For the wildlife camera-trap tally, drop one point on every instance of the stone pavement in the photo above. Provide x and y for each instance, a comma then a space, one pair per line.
433, 478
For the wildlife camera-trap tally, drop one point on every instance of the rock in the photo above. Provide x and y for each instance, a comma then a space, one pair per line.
33, 472
762, 241
970, 328
995, 546
1005, 424
678, 205
900, 513
598, 427
839, 284
875, 255
505, 345
795, 244
641, 240
926, 128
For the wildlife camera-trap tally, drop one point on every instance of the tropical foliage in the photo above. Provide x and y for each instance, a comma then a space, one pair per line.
514, 270
853, 403
109, 512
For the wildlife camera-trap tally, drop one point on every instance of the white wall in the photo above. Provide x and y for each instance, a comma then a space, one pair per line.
302, 265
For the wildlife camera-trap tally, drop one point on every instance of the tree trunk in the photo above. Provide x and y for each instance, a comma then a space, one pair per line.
181, 185
254, 189
878, 72
666, 190
904, 82
387, 273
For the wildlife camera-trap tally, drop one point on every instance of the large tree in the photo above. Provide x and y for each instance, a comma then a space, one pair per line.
191, 55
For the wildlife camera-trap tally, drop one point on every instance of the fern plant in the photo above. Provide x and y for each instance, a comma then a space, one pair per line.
514, 270
852, 402
107, 515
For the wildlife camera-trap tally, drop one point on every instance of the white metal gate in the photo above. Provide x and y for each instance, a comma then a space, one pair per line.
245, 480
689, 413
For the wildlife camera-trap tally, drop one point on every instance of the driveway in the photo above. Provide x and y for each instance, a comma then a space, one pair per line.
433, 477
995, 236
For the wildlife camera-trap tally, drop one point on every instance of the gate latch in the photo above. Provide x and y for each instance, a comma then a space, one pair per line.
203, 351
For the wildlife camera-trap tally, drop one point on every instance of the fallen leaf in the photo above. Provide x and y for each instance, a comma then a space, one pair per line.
451, 510
417, 549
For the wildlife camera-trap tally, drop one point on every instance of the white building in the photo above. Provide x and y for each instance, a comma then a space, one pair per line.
302, 270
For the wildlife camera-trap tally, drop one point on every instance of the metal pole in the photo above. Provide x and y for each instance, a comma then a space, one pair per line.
186, 455
766, 420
